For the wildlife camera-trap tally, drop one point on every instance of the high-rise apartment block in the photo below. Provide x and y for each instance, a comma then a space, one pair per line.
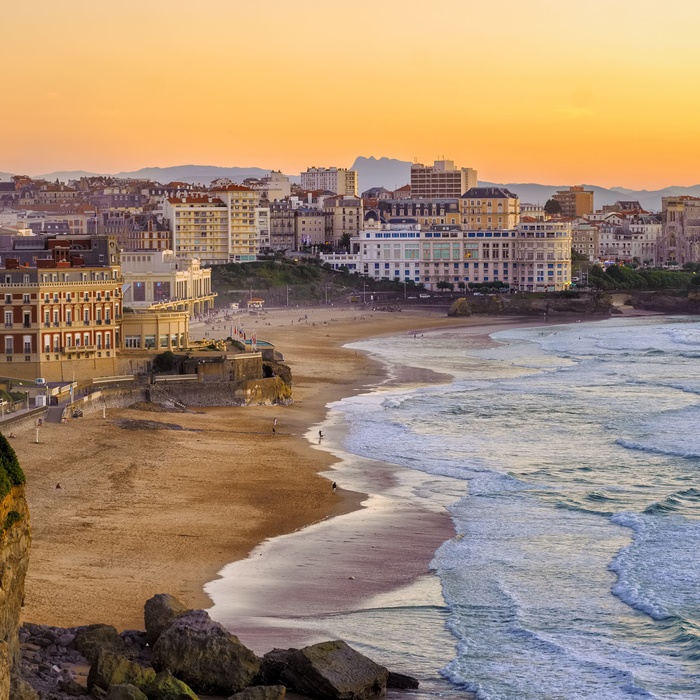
242, 203
338, 180
441, 180
199, 224
575, 201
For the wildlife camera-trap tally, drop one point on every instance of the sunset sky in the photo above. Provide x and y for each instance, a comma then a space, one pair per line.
553, 91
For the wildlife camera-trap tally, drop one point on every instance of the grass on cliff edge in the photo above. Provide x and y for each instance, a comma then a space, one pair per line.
11, 473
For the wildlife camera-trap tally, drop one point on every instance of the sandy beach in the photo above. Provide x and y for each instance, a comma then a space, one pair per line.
143, 511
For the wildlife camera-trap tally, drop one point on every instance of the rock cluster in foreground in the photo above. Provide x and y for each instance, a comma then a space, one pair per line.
182, 653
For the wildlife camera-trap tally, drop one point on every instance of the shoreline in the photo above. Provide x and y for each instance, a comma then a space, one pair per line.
142, 512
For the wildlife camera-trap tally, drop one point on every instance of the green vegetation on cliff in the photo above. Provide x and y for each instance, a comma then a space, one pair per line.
285, 281
11, 473
624, 277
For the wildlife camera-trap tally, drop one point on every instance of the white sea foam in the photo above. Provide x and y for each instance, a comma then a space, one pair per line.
545, 600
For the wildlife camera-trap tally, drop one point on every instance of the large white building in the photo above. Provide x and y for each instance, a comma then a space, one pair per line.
339, 180
531, 257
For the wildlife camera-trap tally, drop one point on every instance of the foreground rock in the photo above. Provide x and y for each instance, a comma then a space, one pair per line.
124, 691
93, 638
328, 671
261, 692
205, 655
111, 669
159, 613
166, 687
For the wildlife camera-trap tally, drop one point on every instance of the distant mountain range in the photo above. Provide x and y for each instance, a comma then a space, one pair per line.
380, 172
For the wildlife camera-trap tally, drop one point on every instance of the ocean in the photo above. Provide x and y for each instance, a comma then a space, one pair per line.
568, 457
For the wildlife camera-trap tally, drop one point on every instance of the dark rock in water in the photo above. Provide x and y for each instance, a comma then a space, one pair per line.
328, 671
166, 687
401, 682
205, 655
124, 691
261, 692
72, 688
159, 612
93, 638
113, 669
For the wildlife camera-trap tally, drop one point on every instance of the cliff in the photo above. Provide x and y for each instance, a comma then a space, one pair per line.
531, 305
14, 557
667, 301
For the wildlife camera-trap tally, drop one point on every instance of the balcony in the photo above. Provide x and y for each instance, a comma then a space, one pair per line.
86, 322
26, 325
56, 324
69, 323
99, 322
8, 325
47, 324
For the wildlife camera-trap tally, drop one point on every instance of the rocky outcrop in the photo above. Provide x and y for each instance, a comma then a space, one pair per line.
15, 540
205, 655
90, 640
192, 654
112, 669
124, 691
328, 671
532, 304
667, 301
166, 687
159, 613
261, 692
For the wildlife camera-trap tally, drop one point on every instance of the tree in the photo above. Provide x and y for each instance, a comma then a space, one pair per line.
442, 284
552, 207
164, 362
344, 242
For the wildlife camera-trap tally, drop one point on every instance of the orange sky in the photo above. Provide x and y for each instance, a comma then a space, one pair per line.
552, 91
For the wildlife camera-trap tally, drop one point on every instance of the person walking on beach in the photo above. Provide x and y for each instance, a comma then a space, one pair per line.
274, 422
320, 435
335, 487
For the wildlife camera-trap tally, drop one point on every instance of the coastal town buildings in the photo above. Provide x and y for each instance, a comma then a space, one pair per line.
427, 212
489, 208
679, 241
585, 239
62, 306
542, 255
159, 280
199, 227
340, 181
243, 234
532, 256
271, 188
576, 201
441, 180
345, 217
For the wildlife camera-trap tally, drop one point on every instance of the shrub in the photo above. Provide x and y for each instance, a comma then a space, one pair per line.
164, 362
11, 473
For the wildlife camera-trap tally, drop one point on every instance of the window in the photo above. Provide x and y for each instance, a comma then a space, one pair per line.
8, 298
25, 298
9, 344
8, 319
